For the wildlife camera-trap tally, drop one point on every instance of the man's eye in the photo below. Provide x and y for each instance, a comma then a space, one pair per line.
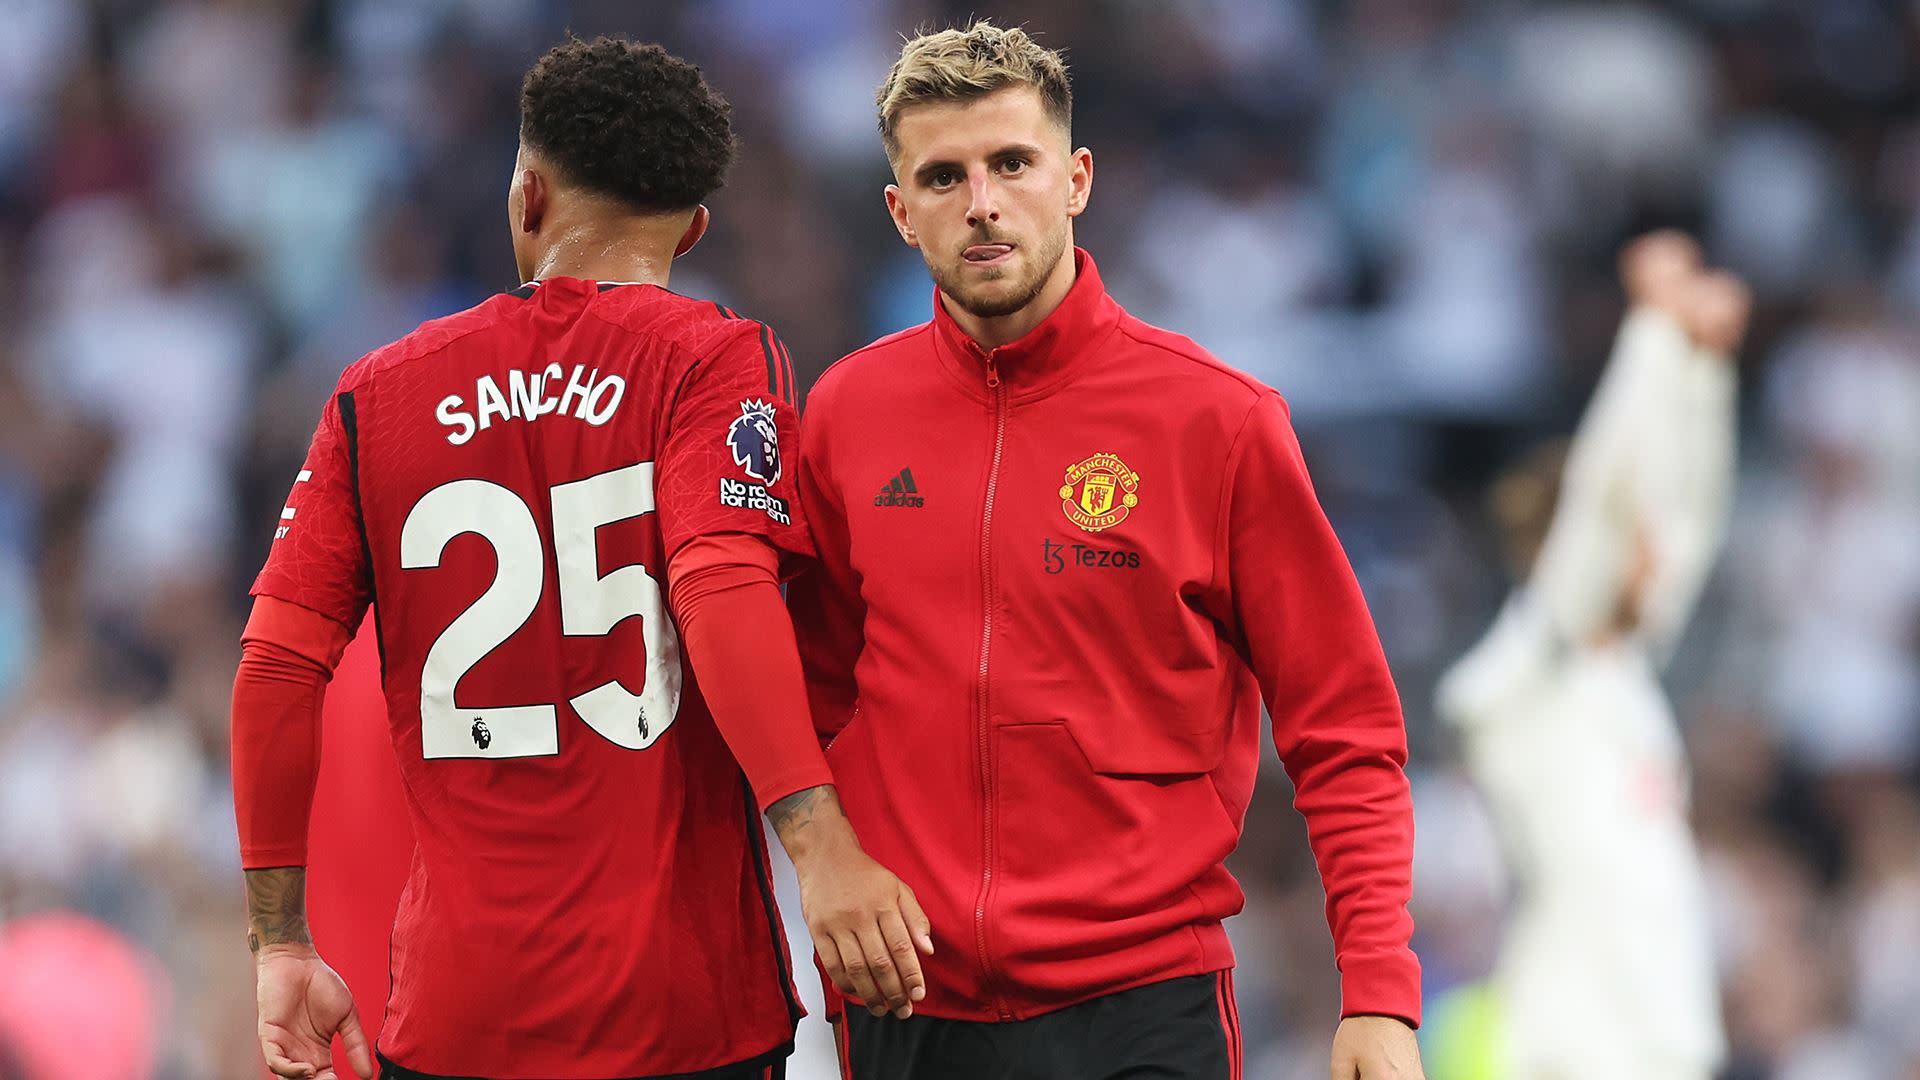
1013, 165
944, 178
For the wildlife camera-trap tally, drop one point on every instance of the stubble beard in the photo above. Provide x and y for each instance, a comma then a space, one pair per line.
950, 278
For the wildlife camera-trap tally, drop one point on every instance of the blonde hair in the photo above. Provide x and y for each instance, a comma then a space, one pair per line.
961, 65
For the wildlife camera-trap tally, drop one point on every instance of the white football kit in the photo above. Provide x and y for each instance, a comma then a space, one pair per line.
1606, 971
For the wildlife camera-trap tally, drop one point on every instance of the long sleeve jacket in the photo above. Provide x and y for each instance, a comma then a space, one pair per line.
1057, 580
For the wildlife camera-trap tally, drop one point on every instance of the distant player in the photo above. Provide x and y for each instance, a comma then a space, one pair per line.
513, 485
1606, 971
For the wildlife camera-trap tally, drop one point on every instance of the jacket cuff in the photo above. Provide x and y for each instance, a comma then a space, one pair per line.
1381, 986
810, 775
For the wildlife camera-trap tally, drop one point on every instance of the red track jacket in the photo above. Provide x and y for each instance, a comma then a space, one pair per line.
1057, 580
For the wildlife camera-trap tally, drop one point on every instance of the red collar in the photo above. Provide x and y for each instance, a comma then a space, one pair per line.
1045, 355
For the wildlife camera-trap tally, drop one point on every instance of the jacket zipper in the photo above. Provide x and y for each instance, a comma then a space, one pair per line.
998, 389
851, 717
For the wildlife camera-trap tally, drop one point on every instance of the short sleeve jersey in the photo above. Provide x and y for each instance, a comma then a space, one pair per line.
589, 895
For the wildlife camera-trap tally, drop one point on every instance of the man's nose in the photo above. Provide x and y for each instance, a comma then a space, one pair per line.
981, 205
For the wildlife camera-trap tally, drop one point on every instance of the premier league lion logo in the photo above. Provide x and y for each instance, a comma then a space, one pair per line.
755, 441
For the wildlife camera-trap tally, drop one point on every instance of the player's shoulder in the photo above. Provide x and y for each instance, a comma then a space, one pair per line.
429, 338
698, 333
872, 365
697, 326
1201, 373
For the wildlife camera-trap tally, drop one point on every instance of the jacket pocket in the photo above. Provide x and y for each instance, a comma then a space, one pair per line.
1150, 737
1144, 688
852, 719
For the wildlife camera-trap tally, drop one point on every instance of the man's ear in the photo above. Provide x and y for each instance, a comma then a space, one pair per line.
897, 209
1081, 181
696, 229
534, 196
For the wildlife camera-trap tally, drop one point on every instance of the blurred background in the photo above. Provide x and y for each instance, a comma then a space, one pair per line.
1402, 213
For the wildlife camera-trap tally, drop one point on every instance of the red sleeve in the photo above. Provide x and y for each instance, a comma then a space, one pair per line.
828, 614
722, 466
739, 641
1336, 717
288, 655
319, 554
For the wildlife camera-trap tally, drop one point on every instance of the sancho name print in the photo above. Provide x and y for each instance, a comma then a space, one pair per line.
531, 395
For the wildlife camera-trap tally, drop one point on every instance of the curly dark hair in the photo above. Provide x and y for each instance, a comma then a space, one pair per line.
630, 120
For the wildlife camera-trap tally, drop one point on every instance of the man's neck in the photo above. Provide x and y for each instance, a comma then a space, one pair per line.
636, 251
991, 332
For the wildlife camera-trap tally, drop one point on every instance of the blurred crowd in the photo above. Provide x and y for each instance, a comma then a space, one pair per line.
1402, 213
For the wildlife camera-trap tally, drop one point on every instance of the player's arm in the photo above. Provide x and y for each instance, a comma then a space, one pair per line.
1305, 632
725, 594
1684, 480
289, 651
866, 923
288, 656
1649, 475
1588, 559
729, 513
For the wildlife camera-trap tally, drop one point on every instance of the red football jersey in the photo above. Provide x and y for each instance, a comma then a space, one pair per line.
589, 895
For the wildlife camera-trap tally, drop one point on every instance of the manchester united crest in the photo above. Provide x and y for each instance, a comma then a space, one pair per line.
1099, 492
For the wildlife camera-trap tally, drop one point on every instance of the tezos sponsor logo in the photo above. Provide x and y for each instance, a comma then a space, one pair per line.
1057, 557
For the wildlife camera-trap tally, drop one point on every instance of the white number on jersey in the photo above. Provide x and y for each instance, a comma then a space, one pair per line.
590, 606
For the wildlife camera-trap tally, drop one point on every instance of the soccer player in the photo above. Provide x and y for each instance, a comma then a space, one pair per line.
1606, 970
1064, 557
511, 486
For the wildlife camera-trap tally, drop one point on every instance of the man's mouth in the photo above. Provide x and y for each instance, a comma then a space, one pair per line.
987, 253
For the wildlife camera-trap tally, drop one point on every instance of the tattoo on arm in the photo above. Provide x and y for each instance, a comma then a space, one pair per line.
809, 820
796, 811
277, 907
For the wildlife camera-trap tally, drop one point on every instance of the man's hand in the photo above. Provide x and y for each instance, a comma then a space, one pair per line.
1664, 270
1717, 308
1375, 1048
302, 1003
1656, 269
866, 924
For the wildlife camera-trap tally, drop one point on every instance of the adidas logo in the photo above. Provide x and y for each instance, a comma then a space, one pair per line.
900, 491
